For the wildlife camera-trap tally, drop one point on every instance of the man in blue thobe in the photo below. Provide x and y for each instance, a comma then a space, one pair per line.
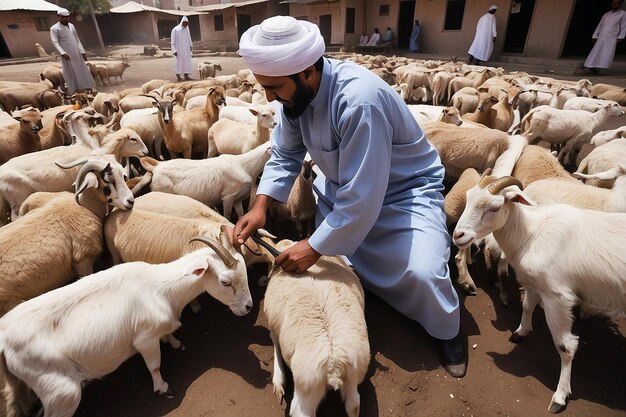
379, 198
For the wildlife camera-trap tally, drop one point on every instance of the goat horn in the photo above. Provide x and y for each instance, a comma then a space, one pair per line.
501, 183
79, 161
271, 249
87, 168
152, 97
486, 178
226, 257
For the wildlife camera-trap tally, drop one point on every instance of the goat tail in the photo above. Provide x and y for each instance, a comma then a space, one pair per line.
148, 163
334, 374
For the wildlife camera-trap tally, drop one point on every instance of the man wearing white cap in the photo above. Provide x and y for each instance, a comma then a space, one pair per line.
73, 56
181, 48
482, 47
379, 194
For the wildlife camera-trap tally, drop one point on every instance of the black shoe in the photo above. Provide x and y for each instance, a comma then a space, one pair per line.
178, 78
188, 78
453, 355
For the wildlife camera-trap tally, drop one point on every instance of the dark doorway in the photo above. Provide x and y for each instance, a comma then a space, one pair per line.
4, 51
585, 19
244, 22
518, 26
326, 27
405, 23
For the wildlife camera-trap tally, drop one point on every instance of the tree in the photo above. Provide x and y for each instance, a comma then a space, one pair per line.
93, 7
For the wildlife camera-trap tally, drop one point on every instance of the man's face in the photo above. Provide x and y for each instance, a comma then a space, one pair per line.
291, 92
64, 20
615, 4
185, 24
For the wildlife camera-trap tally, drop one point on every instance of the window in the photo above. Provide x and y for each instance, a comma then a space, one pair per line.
218, 22
383, 10
350, 17
454, 14
42, 24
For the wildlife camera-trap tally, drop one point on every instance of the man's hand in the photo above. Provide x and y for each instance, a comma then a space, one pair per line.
84, 57
252, 220
175, 53
298, 258
66, 57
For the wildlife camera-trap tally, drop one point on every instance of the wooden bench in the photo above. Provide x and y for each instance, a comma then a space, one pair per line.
384, 48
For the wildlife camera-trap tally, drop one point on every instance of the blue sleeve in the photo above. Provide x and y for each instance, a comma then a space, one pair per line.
284, 165
364, 163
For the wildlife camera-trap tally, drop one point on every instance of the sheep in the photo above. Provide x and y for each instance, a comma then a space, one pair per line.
56, 134
601, 159
585, 103
106, 103
226, 178
479, 78
208, 70
317, 325
153, 84
22, 138
129, 103
243, 114
66, 232
615, 95
483, 113
53, 73
466, 100
503, 115
245, 87
606, 136
598, 89
571, 128
425, 113
67, 341
112, 69
186, 132
543, 244
27, 174
461, 148
145, 123
231, 137
16, 98
403, 90
440, 83
300, 205
386, 75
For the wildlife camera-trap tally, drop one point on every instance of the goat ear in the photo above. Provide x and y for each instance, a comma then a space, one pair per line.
196, 267
519, 197
90, 181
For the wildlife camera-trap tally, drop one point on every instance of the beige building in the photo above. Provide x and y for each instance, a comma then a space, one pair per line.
24, 23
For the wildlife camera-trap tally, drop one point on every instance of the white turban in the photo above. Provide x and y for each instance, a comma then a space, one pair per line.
184, 19
281, 45
493, 7
63, 12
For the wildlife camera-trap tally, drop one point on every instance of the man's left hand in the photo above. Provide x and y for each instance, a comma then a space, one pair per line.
298, 258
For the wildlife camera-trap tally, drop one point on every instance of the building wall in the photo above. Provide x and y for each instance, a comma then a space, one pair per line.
220, 40
548, 28
137, 28
373, 19
20, 40
312, 13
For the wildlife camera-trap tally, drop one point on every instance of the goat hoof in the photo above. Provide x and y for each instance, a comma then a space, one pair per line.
516, 337
556, 407
279, 392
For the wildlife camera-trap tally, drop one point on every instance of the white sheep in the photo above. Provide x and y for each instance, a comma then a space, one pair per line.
208, 70
425, 113
317, 325
66, 233
559, 253
227, 136
225, 179
243, 114
603, 158
586, 103
606, 136
53, 343
570, 128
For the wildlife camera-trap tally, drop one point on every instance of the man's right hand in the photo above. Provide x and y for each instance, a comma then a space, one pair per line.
251, 221
66, 57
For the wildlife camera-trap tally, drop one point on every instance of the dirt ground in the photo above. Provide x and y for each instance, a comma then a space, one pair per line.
226, 368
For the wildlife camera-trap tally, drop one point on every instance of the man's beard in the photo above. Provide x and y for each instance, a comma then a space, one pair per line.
299, 101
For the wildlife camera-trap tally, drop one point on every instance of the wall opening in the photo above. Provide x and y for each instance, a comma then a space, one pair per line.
518, 26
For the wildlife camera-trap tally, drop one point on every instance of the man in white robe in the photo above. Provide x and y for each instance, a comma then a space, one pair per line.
485, 37
610, 31
181, 48
73, 56
374, 39
379, 190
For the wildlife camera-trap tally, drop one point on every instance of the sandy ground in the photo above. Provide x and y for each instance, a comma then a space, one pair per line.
226, 368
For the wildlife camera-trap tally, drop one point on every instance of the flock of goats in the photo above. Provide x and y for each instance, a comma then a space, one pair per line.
71, 197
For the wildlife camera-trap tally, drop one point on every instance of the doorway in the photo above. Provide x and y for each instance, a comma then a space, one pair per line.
4, 51
405, 23
244, 22
326, 28
518, 26
585, 19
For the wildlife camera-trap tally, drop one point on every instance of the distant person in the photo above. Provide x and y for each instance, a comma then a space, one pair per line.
414, 40
181, 48
388, 36
374, 39
610, 31
73, 56
363, 39
482, 47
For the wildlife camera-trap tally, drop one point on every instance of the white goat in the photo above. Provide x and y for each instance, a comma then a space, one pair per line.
227, 136
55, 342
602, 159
226, 179
317, 324
544, 246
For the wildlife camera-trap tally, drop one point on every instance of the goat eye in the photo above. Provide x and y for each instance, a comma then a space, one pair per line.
106, 190
494, 209
226, 283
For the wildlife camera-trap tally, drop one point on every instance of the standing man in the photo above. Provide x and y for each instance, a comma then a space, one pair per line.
388, 35
379, 191
73, 56
610, 31
181, 48
485, 37
414, 41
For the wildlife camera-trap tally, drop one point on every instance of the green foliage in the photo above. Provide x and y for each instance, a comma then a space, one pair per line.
82, 6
